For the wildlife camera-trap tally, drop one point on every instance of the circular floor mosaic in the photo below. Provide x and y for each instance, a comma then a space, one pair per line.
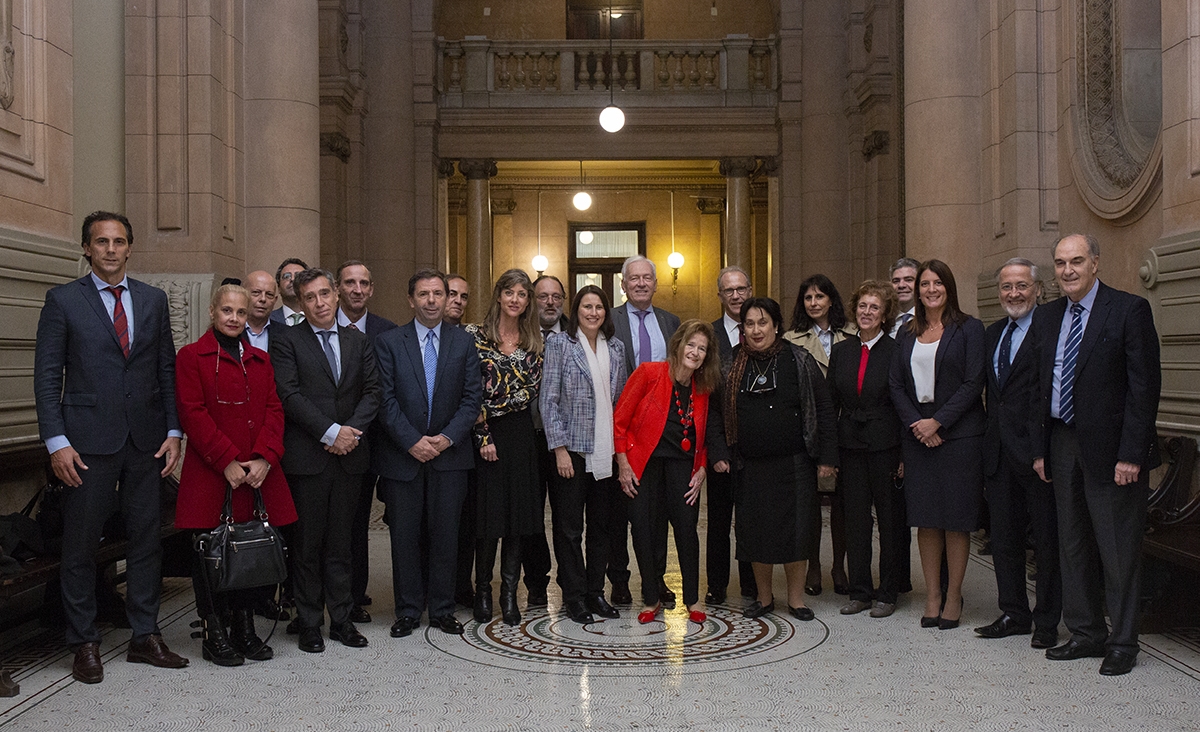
547, 642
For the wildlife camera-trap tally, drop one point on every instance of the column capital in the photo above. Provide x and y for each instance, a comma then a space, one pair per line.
770, 165
738, 167
477, 168
710, 205
445, 168
503, 206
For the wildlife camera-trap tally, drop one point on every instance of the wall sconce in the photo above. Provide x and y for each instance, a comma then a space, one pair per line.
540, 264
675, 261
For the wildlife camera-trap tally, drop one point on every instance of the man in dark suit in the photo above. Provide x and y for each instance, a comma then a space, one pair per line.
104, 382
430, 377
1018, 501
645, 330
355, 289
456, 307
733, 288
291, 313
1100, 377
327, 381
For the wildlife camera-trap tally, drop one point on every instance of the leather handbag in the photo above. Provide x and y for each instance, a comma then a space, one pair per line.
241, 555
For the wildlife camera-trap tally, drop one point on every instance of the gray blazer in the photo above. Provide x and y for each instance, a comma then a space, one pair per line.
667, 322
568, 397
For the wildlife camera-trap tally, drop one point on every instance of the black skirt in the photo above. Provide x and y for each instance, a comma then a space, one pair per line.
943, 485
776, 501
509, 502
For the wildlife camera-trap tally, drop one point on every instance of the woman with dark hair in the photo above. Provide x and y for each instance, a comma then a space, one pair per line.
936, 383
230, 410
583, 376
869, 441
659, 428
773, 394
819, 323
508, 502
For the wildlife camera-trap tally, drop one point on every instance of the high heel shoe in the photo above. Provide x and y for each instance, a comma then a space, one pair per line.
933, 622
945, 624
697, 616
648, 616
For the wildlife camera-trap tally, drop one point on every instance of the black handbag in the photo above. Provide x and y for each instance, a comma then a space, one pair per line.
242, 555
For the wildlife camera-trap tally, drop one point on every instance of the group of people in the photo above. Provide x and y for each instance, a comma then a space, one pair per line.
621, 415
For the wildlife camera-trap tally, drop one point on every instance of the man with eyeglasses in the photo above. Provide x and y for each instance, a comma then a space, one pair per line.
1019, 503
733, 289
291, 313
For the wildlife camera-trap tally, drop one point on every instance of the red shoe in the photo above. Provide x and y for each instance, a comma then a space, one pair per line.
648, 616
697, 616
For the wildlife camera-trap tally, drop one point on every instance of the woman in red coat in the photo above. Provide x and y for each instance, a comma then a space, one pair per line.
230, 411
658, 434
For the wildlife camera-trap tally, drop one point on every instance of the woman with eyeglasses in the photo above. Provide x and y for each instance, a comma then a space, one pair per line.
230, 411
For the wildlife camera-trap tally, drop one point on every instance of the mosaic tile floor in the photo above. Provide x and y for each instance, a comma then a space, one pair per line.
836, 673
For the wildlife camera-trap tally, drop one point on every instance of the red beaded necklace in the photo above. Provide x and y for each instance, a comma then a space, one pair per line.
685, 417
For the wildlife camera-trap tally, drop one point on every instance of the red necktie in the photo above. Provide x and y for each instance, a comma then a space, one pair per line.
352, 326
862, 367
119, 321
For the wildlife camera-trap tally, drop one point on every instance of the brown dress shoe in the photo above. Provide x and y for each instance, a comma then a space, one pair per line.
154, 651
88, 668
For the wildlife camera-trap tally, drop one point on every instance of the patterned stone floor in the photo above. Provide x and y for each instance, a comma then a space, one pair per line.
836, 673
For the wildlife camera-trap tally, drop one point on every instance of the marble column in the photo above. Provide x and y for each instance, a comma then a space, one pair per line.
479, 234
738, 214
282, 116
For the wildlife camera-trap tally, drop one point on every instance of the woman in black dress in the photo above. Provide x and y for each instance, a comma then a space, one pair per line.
936, 382
776, 430
508, 502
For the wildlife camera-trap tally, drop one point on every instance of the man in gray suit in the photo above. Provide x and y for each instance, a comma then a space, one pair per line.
104, 380
645, 330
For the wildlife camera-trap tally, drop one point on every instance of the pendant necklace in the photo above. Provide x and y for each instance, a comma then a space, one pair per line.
685, 418
762, 375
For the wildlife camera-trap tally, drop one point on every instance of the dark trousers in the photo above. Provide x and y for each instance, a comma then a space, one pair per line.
360, 563
659, 500
867, 480
570, 498
720, 523
325, 503
1021, 502
535, 552
463, 585
618, 544
434, 500
86, 509
1100, 526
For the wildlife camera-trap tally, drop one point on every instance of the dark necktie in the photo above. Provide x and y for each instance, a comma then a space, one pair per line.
430, 359
352, 326
643, 338
120, 323
862, 366
1004, 361
1066, 394
329, 354
546, 333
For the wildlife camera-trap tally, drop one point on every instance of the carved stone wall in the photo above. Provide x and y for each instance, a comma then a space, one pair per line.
188, 297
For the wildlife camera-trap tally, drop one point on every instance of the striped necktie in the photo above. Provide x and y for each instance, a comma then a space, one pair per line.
120, 322
1066, 394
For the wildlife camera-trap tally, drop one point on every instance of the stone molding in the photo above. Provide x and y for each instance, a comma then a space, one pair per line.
710, 205
336, 144
477, 169
1172, 282
876, 142
738, 167
187, 297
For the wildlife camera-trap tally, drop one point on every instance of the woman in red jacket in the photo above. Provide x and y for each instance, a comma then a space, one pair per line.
230, 411
658, 435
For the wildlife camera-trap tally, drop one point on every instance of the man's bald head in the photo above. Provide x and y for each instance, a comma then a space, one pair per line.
262, 288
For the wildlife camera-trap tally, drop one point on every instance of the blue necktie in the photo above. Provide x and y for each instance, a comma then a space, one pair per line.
644, 354
1004, 362
329, 354
430, 373
1066, 394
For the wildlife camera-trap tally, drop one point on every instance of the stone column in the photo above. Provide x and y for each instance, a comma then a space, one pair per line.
738, 214
943, 137
479, 234
282, 116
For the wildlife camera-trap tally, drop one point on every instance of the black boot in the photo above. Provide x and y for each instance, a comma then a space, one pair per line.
483, 603
510, 574
216, 647
243, 638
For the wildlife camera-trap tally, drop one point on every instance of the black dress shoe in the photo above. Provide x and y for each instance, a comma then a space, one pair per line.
1044, 638
1004, 626
347, 635
813, 590
802, 613
577, 611
928, 622
447, 624
714, 598
88, 668
597, 605
359, 615
756, 609
620, 594
666, 596
1074, 649
404, 627
1117, 663
537, 598
311, 640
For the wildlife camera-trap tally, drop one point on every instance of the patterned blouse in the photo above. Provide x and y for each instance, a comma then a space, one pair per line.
510, 382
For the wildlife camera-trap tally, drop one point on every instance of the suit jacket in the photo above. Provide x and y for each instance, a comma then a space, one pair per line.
724, 346
667, 322
84, 386
313, 400
866, 421
276, 316
1011, 410
1118, 379
641, 416
404, 412
958, 386
809, 342
219, 431
376, 326
568, 396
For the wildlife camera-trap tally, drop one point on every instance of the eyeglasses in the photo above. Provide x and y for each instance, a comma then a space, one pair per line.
1021, 287
731, 291
245, 380
545, 297
640, 278
287, 275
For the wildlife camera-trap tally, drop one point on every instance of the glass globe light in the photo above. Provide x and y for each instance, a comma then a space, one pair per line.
612, 119
675, 260
585, 237
582, 201
540, 263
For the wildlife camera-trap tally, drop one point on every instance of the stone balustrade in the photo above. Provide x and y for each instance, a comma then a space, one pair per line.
735, 71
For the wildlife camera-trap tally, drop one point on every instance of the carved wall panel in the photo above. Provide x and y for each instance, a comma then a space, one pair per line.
1171, 275
23, 88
